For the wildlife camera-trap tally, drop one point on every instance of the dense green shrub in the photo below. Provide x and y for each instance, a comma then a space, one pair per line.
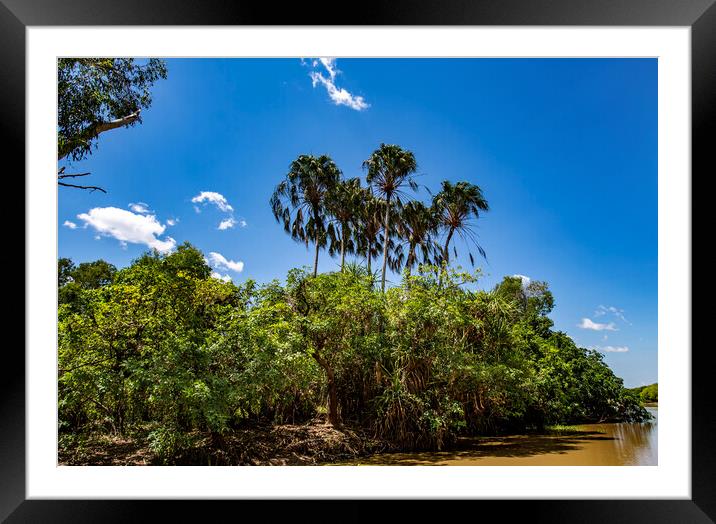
161, 345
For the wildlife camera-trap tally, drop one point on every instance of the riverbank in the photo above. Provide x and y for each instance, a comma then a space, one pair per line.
317, 443
282, 445
606, 444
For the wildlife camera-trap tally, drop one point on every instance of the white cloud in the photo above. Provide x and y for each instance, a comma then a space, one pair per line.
172, 221
243, 223
227, 223
330, 65
614, 349
618, 313
212, 197
126, 226
596, 326
218, 261
139, 207
219, 276
339, 95
69, 224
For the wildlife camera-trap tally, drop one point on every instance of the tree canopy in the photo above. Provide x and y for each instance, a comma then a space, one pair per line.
300, 201
163, 349
316, 205
390, 169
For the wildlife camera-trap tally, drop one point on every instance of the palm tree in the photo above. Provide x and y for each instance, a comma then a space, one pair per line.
299, 201
455, 206
416, 226
370, 222
390, 169
343, 204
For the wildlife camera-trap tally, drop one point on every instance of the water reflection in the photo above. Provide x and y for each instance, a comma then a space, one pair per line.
592, 445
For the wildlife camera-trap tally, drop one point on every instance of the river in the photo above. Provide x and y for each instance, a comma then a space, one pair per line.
613, 444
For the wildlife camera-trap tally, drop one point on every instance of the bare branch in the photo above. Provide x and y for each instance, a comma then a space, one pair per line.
60, 176
91, 188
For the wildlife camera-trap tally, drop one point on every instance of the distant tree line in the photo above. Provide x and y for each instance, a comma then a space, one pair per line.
648, 393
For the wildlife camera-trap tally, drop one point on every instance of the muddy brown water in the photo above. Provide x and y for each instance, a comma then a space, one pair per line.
615, 444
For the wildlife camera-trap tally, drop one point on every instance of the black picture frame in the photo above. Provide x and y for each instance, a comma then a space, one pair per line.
699, 15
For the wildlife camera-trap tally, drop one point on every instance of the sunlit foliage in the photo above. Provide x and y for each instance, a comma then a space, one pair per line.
164, 348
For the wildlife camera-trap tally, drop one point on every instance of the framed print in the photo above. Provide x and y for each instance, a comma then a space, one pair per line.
347, 250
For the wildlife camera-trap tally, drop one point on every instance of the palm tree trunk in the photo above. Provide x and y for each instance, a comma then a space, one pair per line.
315, 260
343, 247
446, 251
409, 260
408, 265
385, 240
370, 246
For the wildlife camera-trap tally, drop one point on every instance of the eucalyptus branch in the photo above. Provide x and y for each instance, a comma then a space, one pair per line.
92, 131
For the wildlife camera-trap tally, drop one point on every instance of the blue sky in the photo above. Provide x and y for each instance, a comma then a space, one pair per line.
565, 151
